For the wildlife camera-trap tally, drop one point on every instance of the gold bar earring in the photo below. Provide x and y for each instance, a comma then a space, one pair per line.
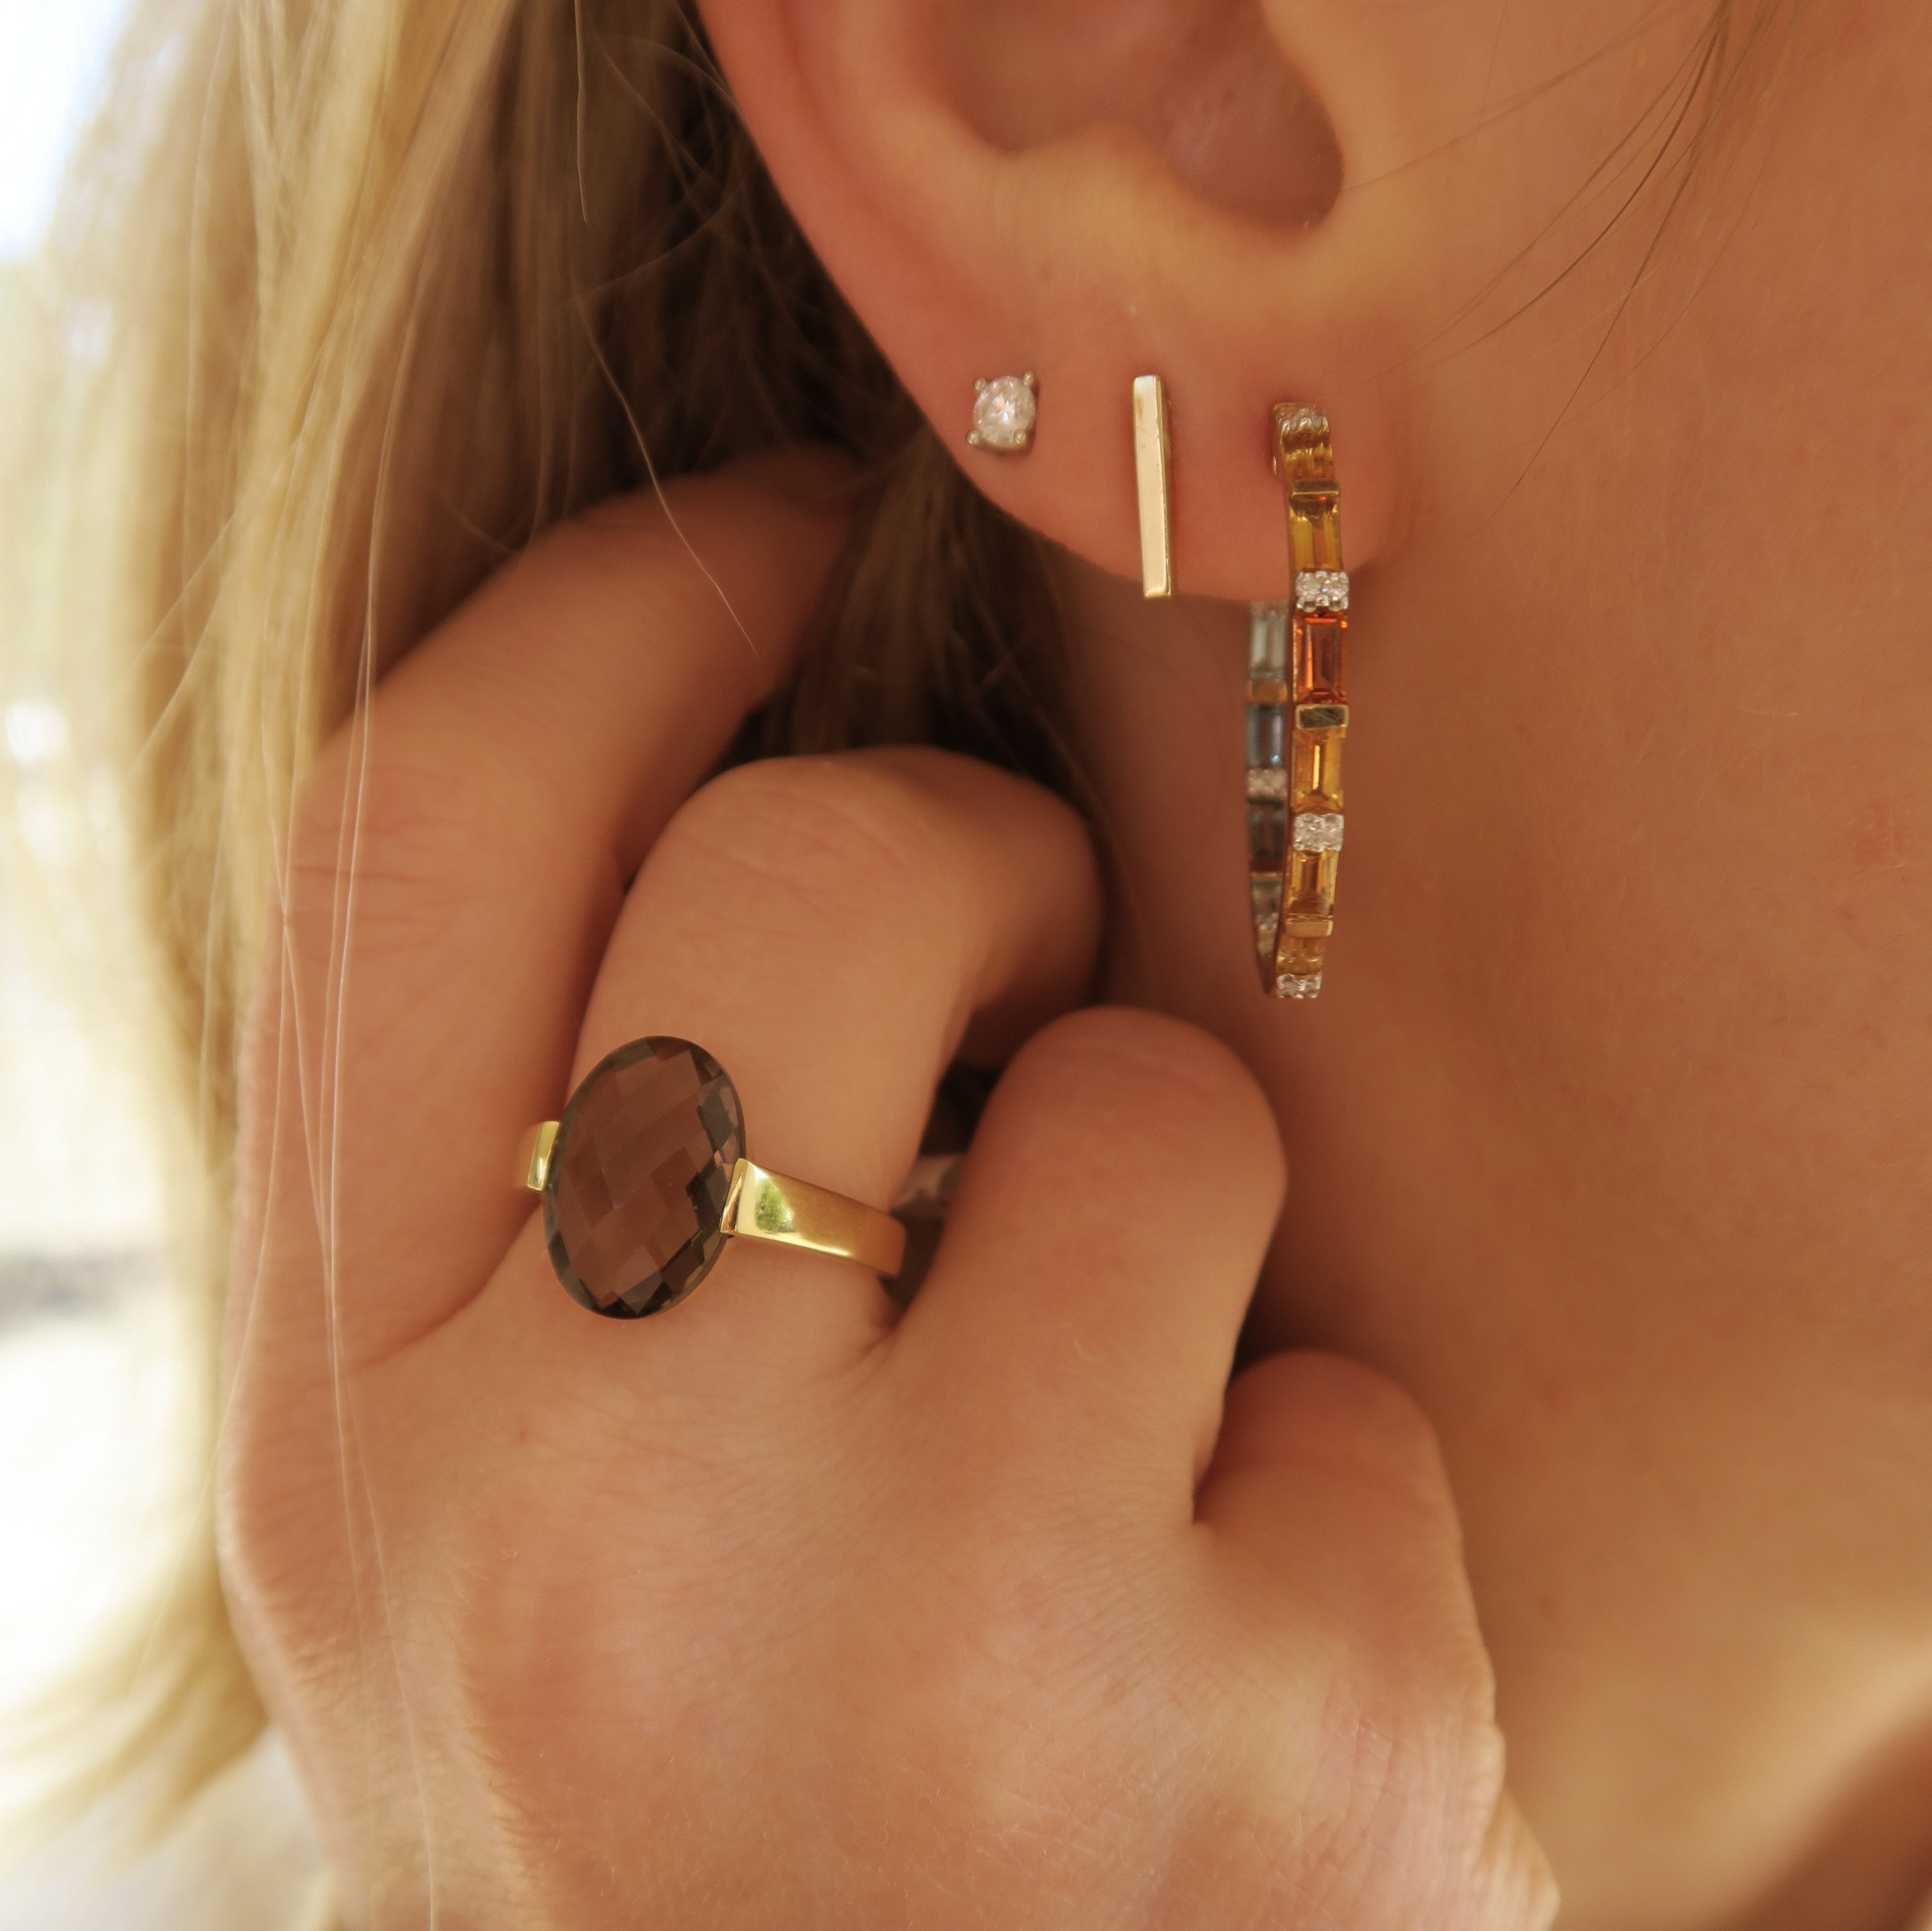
1297, 719
1153, 457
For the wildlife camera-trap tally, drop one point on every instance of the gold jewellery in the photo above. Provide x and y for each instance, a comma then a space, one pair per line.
644, 1180
1297, 719
1154, 458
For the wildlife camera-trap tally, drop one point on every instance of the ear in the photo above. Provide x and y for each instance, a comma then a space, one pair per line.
1260, 201
1095, 189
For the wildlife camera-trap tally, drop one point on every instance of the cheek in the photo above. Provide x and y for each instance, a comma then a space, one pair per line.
1751, 812
1645, 753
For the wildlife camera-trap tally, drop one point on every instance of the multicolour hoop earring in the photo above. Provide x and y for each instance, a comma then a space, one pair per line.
1297, 718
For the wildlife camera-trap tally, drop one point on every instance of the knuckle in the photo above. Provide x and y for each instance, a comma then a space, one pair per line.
279, 1553
1413, 1796
1154, 1082
1380, 1812
1363, 1428
1522, 1887
838, 835
405, 837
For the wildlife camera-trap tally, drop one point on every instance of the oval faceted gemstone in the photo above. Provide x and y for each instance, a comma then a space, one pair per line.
634, 1202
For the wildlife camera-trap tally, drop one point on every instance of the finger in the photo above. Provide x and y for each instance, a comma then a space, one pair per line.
1326, 1491
1105, 1238
826, 929
1330, 1512
1523, 1893
457, 859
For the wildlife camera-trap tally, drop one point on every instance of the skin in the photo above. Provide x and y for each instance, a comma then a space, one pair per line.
787, 1611
1606, 1143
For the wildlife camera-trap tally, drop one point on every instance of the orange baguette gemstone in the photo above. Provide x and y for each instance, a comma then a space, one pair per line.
1318, 641
1308, 891
1316, 783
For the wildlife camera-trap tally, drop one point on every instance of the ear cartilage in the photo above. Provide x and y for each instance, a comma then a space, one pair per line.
1153, 460
1004, 410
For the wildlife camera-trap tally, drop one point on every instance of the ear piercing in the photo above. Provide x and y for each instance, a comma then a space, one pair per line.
1297, 716
1004, 413
1153, 460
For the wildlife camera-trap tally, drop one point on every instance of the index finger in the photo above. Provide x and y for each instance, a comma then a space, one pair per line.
456, 862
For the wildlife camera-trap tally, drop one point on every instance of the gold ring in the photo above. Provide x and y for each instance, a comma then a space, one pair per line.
644, 1180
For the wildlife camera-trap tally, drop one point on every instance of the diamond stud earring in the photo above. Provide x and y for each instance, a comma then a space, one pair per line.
1004, 413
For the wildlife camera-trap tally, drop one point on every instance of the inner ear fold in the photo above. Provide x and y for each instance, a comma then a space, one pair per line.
1202, 81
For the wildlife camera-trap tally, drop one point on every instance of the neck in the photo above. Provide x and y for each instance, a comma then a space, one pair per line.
1692, 1486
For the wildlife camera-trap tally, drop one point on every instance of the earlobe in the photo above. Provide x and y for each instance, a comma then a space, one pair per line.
1092, 190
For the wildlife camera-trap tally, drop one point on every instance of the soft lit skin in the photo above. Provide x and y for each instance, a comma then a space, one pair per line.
1608, 1141
781, 1610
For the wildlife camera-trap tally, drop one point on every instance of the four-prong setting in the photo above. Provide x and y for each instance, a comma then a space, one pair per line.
1004, 410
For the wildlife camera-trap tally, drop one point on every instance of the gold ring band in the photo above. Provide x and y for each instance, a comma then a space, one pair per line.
765, 1206
645, 1179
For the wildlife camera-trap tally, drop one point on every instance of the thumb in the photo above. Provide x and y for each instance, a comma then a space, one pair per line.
1522, 1891
1329, 1505
1327, 1484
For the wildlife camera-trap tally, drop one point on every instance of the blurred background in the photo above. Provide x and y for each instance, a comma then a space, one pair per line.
80, 1226
92, 1478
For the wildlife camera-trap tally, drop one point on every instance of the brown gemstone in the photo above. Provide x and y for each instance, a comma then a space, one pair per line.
633, 1204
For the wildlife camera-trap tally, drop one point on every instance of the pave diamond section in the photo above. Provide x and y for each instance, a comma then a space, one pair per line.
1305, 422
1269, 784
1004, 413
1307, 988
1318, 831
1321, 590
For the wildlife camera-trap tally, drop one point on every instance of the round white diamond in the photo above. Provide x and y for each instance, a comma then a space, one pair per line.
1318, 831
1003, 415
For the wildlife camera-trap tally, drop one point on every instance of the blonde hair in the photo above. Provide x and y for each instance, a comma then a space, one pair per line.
389, 287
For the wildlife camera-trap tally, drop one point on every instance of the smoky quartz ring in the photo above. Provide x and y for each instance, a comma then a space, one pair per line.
644, 1180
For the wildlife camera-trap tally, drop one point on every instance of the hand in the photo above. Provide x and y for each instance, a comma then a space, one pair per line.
781, 1610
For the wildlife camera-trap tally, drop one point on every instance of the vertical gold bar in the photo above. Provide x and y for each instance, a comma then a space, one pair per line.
1152, 455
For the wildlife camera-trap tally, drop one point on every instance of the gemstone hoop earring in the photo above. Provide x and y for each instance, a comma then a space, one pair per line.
1297, 718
